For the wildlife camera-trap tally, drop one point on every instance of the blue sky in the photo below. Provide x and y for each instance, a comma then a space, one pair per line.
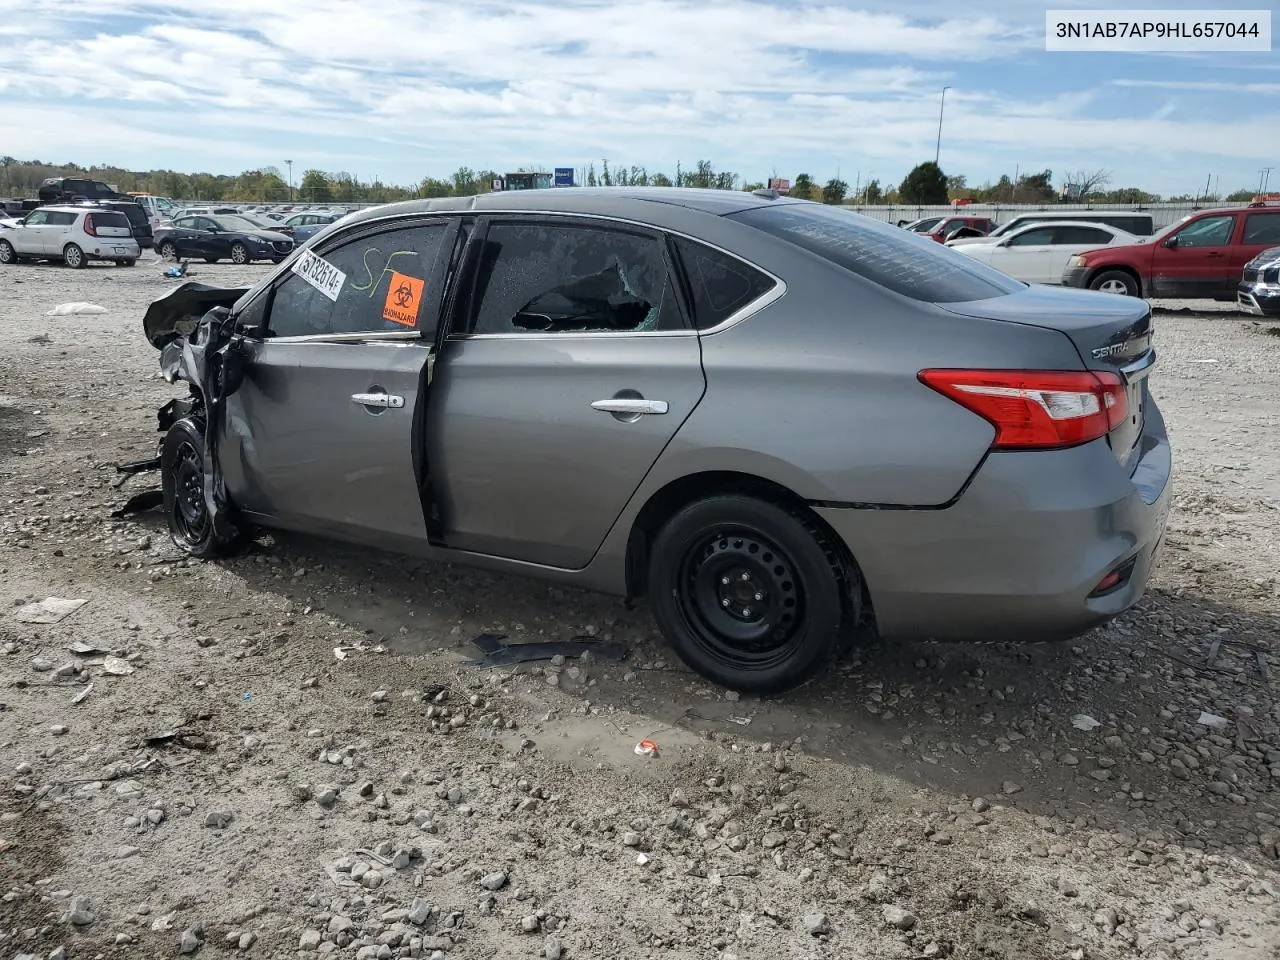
403, 89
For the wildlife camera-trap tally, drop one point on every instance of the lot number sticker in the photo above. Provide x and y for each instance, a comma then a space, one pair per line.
404, 297
320, 273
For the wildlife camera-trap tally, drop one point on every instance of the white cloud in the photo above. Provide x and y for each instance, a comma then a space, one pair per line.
423, 86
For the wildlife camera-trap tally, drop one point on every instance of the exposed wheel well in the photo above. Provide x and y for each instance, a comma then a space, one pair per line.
679, 493
1117, 269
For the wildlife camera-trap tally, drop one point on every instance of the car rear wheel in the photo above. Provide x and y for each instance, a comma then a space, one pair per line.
182, 471
167, 250
7, 253
1115, 281
750, 594
73, 256
239, 253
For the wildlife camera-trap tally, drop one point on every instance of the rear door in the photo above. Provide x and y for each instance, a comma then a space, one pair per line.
60, 231
1027, 256
1261, 231
324, 433
1195, 261
569, 366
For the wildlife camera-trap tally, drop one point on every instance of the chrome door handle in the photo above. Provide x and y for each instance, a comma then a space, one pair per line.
629, 405
378, 400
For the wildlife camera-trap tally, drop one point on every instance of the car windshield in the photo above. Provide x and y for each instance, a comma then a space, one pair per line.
235, 224
910, 266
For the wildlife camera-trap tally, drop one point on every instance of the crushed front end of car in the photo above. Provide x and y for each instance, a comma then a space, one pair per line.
191, 326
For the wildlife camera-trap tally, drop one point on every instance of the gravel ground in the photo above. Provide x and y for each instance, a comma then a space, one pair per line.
187, 766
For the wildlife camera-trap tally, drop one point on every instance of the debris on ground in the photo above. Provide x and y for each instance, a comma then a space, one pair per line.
48, 610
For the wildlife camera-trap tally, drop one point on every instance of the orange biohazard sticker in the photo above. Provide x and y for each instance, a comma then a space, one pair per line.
404, 297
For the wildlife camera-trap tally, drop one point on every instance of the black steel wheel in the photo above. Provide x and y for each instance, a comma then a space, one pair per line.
182, 470
750, 594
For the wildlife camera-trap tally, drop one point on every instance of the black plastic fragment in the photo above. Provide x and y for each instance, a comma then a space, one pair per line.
499, 654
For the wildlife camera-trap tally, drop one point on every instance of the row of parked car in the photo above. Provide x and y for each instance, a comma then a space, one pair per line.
119, 230
1221, 254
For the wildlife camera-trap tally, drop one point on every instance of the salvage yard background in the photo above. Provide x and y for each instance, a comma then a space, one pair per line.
235, 786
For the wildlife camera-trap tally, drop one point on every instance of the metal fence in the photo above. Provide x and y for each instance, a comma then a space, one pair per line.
1162, 213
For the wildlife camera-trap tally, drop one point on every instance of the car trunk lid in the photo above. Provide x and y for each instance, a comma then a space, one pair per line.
1111, 334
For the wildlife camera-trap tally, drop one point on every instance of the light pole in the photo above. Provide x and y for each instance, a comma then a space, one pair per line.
1264, 179
289, 164
937, 150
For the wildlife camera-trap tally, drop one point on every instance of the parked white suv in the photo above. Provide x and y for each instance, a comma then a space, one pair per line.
73, 234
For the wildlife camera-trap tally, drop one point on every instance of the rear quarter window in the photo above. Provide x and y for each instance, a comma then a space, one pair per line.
891, 258
719, 285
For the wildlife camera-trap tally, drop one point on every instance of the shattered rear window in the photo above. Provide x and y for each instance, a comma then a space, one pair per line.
898, 260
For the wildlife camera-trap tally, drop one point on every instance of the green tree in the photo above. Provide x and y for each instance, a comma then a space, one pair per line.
803, 187
465, 182
925, 185
660, 180
591, 176
315, 187
957, 183
431, 187
1239, 196
873, 193
834, 190
754, 185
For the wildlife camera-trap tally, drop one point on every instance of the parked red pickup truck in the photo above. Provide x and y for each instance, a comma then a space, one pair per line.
1199, 257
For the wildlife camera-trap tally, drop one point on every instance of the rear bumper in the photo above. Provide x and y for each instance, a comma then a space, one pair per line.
1260, 299
1020, 552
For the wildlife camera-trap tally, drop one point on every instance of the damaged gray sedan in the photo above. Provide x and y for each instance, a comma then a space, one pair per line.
775, 420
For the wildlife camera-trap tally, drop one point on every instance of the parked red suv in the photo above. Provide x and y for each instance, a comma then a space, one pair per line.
941, 228
1199, 257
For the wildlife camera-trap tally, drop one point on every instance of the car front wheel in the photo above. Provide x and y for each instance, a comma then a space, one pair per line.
1115, 281
750, 594
7, 253
239, 253
182, 471
167, 250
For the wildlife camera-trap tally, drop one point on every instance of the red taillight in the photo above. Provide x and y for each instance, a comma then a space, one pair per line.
89, 228
1037, 409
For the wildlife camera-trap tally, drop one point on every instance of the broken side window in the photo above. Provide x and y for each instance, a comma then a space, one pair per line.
564, 278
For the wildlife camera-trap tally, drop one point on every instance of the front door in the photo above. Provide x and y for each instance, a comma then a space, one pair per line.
569, 368
1195, 261
32, 236
321, 435
1027, 256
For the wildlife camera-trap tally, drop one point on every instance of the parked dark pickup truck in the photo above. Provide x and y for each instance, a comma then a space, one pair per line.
1200, 257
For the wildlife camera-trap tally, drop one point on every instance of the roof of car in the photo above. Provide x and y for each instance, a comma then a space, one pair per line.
619, 201
1068, 222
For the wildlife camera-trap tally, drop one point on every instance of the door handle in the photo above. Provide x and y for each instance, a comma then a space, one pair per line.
389, 400
1214, 254
630, 405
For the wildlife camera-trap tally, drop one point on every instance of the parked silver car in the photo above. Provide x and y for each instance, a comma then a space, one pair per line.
772, 418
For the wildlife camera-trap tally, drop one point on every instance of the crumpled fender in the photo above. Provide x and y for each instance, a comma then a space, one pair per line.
198, 343
177, 313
